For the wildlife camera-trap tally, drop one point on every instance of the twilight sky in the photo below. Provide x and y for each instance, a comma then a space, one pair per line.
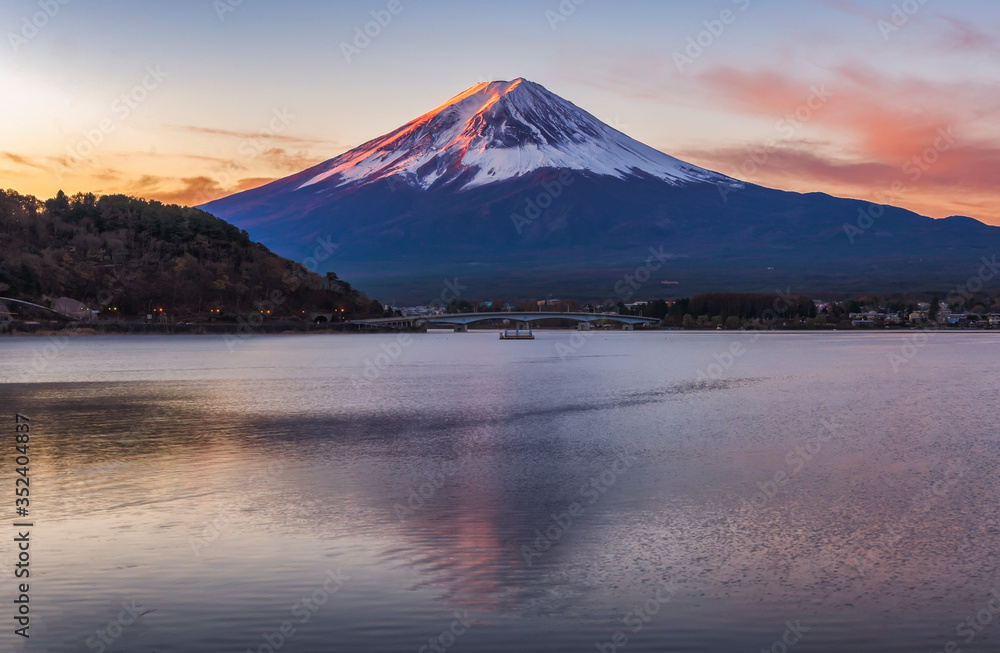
189, 100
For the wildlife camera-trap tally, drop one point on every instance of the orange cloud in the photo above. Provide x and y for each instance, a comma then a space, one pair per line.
931, 137
293, 161
190, 191
17, 158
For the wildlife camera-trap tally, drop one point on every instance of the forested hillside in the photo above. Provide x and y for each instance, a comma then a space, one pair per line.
123, 254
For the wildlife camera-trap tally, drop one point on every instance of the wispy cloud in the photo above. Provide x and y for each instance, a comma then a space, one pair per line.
965, 36
257, 136
17, 158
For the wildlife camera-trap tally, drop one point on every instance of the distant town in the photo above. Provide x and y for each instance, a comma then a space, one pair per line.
715, 311
849, 313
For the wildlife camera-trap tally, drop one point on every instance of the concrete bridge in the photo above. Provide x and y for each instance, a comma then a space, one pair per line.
519, 320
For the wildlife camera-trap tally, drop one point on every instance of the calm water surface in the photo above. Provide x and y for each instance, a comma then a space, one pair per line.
565, 494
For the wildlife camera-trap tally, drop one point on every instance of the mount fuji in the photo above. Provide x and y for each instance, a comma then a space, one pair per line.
508, 190
500, 131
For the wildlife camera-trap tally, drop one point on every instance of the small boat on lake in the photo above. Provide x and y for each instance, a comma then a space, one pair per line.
517, 334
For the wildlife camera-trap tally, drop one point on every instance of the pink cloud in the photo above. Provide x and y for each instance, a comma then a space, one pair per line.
964, 36
880, 130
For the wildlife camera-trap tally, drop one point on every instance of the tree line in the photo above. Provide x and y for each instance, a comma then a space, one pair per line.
132, 256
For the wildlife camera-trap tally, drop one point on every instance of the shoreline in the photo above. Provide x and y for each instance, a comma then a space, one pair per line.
236, 330
239, 331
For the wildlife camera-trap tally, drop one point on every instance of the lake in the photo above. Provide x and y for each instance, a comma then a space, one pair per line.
611, 491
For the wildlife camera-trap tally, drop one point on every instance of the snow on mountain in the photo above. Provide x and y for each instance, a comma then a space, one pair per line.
501, 130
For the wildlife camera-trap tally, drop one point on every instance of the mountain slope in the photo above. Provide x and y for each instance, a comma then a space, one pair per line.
516, 191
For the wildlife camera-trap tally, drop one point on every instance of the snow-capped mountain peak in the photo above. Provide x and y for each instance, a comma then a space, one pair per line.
500, 130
